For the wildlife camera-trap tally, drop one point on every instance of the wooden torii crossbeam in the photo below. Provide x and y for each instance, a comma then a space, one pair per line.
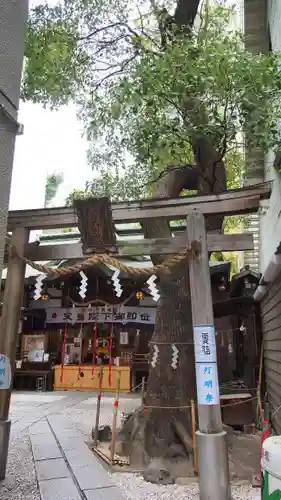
233, 202
216, 243
239, 201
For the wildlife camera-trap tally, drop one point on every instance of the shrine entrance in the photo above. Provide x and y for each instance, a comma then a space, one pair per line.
187, 253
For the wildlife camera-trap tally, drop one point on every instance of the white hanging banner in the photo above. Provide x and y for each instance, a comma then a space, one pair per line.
116, 282
207, 384
205, 344
39, 286
154, 356
102, 314
5, 372
83, 285
175, 357
153, 288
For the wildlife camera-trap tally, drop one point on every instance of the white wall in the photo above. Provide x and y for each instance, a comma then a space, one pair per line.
270, 223
270, 227
274, 18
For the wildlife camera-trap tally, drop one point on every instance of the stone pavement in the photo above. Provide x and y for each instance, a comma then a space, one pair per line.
29, 407
58, 424
65, 467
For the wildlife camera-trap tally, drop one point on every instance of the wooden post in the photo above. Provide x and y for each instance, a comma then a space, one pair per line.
9, 327
96, 431
259, 405
194, 445
211, 439
142, 390
114, 423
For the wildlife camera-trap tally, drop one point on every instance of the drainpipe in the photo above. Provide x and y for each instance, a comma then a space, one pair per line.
270, 274
260, 293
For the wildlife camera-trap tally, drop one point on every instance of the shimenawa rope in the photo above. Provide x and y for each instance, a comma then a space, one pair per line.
96, 259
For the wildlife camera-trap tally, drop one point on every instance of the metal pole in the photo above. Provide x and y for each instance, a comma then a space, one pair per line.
211, 439
114, 423
96, 432
13, 15
9, 327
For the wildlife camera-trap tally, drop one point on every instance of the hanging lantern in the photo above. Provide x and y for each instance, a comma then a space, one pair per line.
222, 285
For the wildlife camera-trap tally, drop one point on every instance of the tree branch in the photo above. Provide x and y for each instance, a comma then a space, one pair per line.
170, 184
100, 30
119, 71
185, 13
192, 179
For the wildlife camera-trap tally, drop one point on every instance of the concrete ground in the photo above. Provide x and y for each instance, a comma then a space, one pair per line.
49, 460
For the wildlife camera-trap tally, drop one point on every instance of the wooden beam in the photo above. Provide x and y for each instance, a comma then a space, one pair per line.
245, 205
233, 202
230, 242
216, 243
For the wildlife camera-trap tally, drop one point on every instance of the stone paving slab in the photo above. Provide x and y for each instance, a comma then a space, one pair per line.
89, 477
90, 473
60, 423
92, 476
44, 445
71, 443
111, 493
26, 422
46, 452
41, 427
51, 469
78, 458
43, 439
59, 489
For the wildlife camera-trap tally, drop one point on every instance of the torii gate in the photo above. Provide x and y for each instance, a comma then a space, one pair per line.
214, 484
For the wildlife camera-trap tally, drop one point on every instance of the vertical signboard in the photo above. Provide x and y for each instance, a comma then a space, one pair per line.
5, 372
206, 365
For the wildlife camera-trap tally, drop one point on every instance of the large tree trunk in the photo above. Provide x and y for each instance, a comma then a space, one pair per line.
170, 389
168, 386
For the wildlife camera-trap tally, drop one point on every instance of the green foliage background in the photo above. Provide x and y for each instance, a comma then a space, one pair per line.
145, 90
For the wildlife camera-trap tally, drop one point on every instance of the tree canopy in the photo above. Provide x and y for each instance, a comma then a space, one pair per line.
148, 86
53, 182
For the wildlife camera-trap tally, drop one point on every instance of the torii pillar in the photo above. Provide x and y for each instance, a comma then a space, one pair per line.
13, 16
9, 331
